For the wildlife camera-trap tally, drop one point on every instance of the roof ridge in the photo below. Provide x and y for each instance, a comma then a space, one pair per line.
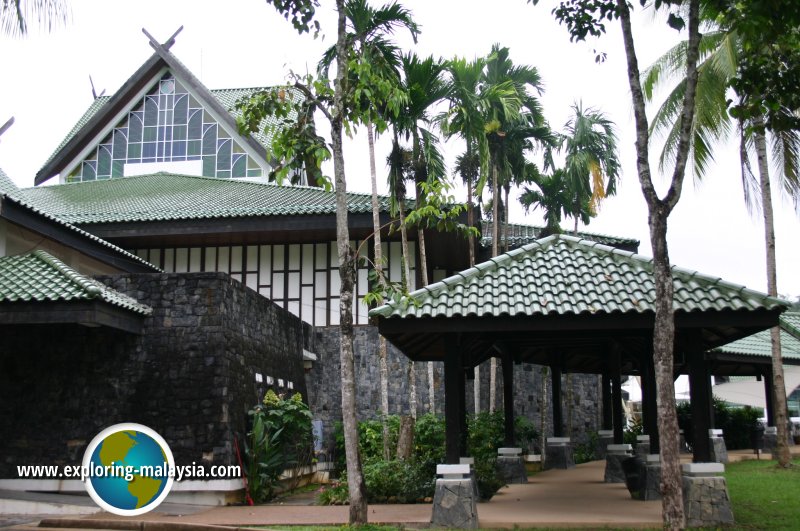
91, 289
24, 202
587, 233
102, 182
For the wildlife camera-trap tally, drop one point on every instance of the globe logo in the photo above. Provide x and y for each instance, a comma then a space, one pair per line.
129, 469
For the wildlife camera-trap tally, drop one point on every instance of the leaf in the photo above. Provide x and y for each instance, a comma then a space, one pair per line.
676, 22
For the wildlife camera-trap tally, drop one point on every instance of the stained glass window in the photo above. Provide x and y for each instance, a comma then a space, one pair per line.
168, 125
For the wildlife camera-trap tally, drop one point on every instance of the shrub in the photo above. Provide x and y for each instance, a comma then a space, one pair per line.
585, 452
334, 494
280, 437
737, 423
633, 430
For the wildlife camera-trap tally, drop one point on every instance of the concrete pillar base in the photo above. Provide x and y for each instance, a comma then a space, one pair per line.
615, 455
454, 500
604, 438
705, 495
719, 452
559, 453
643, 477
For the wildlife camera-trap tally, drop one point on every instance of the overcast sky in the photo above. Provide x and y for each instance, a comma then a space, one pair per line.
242, 43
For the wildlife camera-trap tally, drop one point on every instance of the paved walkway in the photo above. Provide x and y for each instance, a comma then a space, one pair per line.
555, 498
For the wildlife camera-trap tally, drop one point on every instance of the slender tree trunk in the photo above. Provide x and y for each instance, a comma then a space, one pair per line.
470, 222
505, 219
495, 252
376, 228
659, 210
347, 273
476, 391
411, 374
778, 383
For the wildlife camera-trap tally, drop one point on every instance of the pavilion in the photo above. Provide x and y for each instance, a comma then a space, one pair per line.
575, 306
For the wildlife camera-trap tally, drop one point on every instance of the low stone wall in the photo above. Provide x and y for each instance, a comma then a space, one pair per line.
190, 375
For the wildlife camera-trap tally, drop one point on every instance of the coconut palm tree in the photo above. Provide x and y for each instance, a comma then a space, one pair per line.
15, 14
719, 59
592, 162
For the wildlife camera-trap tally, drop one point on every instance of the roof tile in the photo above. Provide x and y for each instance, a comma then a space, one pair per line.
566, 275
39, 276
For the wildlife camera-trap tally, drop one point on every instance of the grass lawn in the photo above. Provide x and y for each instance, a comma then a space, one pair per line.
764, 496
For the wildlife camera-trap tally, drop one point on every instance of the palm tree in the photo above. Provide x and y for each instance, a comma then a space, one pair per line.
465, 118
592, 162
512, 116
554, 197
367, 28
424, 87
719, 59
15, 14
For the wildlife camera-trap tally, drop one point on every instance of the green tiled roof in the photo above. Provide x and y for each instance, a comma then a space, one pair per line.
39, 277
790, 321
226, 97
760, 344
518, 235
23, 198
7, 186
564, 275
165, 196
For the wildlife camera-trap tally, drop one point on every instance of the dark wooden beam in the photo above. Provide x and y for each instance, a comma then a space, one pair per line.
462, 413
700, 391
558, 417
769, 395
616, 394
508, 397
605, 382
87, 313
453, 372
649, 400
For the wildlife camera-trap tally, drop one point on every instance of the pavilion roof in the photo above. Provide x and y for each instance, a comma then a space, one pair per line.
564, 275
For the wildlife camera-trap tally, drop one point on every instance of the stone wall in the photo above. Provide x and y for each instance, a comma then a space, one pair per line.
580, 393
190, 375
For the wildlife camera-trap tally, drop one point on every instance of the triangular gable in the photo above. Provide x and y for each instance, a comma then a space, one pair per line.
163, 113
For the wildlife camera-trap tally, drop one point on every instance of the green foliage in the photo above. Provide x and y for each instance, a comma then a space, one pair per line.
634, 429
300, 13
408, 481
280, 438
585, 452
399, 481
334, 494
737, 423
526, 434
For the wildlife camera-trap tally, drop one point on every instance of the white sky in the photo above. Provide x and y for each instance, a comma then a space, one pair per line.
242, 43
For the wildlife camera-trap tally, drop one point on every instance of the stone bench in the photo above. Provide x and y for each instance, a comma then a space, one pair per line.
558, 453
706, 502
454, 500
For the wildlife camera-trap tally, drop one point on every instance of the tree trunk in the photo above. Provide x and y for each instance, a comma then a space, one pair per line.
412, 380
476, 389
405, 438
470, 222
378, 250
659, 210
505, 222
355, 478
778, 384
495, 252
663, 346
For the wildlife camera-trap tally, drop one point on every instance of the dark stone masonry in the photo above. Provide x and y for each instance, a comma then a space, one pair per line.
190, 375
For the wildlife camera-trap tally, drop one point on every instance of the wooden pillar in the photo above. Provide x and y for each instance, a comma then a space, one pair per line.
608, 422
558, 418
700, 391
508, 398
769, 396
649, 399
453, 373
462, 417
616, 395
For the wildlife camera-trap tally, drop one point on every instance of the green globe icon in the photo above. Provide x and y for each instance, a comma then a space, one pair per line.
128, 469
